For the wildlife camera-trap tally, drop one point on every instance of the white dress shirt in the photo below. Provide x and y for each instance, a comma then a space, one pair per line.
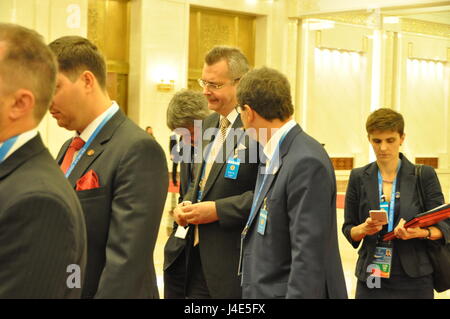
22, 139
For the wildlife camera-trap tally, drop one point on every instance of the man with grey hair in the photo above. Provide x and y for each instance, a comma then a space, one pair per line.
42, 229
290, 245
186, 108
222, 190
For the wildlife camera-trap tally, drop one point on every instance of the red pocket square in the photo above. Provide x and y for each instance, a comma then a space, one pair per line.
88, 181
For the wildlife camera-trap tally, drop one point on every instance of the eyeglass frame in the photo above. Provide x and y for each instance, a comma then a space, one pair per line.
214, 86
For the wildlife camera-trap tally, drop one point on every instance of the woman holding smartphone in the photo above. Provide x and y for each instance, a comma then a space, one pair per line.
399, 268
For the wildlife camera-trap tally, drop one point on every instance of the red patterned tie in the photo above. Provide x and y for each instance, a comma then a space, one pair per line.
76, 144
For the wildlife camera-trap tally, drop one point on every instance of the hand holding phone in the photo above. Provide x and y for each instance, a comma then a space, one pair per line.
379, 215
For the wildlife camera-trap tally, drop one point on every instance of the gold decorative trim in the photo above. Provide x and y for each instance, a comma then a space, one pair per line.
321, 47
349, 18
412, 57
117, 66
425, 27
341, 50
365, 46
310, 5
93, 21
406, 24
318, 38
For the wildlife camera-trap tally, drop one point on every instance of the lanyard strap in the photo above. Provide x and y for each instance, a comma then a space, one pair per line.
203, 183
6, 146
111, 111
393, 191
270, 170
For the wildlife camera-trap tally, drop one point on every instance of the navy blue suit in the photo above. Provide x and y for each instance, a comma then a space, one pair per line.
298, 255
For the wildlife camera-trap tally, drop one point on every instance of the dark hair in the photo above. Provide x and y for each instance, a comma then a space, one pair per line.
266, 91
76, 54
185, 107
28, 63
236, 60
385, 119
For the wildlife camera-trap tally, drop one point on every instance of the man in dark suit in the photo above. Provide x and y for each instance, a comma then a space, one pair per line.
290, 244
42, 230
222, 199
119, 172
185, 108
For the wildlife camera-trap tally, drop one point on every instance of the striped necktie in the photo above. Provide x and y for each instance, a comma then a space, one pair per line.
224, 124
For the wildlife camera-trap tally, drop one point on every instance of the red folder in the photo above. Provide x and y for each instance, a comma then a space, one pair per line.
425, 219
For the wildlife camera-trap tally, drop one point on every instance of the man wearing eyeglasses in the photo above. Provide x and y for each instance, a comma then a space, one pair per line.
222, 190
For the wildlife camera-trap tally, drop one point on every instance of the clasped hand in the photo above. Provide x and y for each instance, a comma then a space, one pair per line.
371, 227
408, 233
200, 213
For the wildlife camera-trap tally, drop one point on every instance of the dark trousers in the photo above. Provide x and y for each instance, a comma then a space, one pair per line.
175, 278
196, 287
364, 292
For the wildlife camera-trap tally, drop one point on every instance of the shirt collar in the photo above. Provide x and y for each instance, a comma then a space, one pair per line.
89, 130
272, 144
232, 116
22, 139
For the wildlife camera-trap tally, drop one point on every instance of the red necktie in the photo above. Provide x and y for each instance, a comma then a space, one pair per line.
76, 144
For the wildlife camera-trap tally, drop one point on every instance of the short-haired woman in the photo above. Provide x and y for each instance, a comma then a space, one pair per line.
399, 268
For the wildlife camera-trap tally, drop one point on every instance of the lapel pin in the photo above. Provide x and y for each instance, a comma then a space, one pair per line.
90, 152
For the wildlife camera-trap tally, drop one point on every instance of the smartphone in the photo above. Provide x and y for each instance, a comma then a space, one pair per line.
379, 215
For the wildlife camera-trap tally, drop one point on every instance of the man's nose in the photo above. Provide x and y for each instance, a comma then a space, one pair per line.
206, 90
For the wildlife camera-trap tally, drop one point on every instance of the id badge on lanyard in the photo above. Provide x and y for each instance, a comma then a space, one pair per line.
384, 251
232, 168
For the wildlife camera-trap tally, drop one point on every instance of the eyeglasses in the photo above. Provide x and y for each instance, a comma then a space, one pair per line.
214, 86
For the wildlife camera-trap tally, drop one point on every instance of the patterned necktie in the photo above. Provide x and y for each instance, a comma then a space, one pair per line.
224, 124
76, 144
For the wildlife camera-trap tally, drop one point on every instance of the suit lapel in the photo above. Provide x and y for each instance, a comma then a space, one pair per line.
216, 168
407, 188
370, 183
62, 152
21, 155
96, 148
199, 159
270, 178
259, 196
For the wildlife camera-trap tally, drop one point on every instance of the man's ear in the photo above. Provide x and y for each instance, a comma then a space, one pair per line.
402, 139
22, 104
88, 79
250, 113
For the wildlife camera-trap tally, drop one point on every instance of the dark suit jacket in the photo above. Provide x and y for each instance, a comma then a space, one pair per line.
362, 196
124, 214
220, 241
175, 246
42, 229
173, 143
298, 255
